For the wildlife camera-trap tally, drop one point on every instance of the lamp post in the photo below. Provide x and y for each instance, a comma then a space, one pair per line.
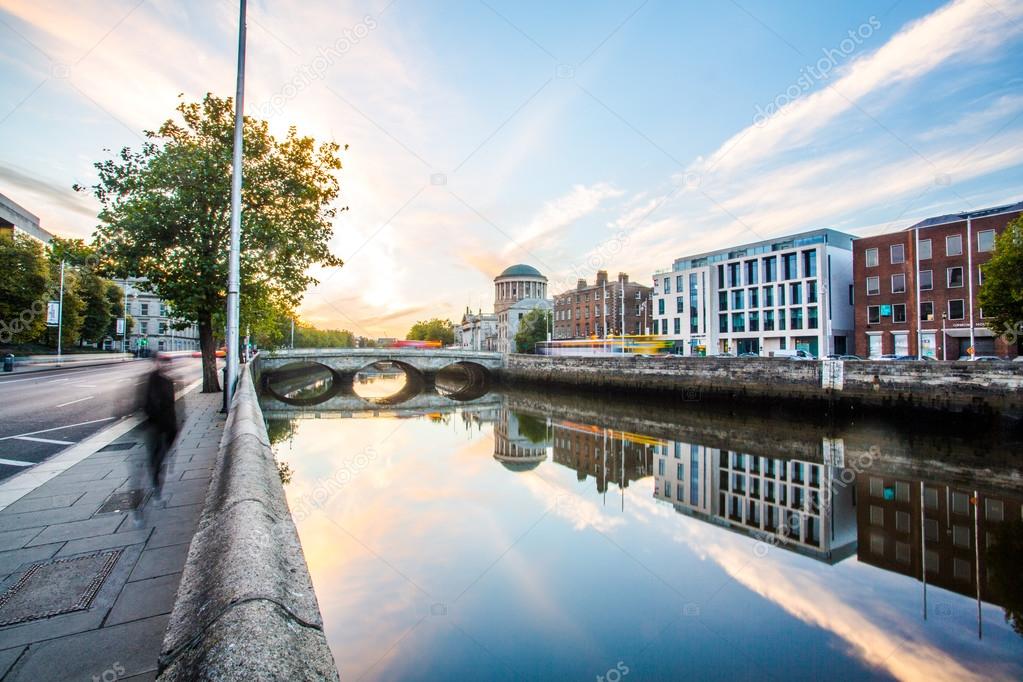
234, 258
944, 340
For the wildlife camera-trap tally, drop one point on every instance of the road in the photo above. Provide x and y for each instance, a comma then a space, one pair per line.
44, 412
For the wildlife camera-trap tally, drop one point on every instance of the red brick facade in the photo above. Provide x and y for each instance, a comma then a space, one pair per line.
585, 311
905, 308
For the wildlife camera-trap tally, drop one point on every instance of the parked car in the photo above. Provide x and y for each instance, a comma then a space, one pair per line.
981, 358
797, 354
836, 356
724, 355
1018, 358
749, 355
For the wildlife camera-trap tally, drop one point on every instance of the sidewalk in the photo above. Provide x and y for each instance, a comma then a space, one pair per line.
87, 590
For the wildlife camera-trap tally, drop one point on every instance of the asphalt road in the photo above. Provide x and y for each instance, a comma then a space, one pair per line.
42, 413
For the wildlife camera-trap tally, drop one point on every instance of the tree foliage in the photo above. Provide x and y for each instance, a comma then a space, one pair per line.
166, 210
24, 289
434, 329
1001, 294
532, 330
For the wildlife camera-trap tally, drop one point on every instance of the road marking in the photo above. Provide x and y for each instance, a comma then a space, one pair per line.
72, 402
16, 462
85, 385
58, 428
45, 440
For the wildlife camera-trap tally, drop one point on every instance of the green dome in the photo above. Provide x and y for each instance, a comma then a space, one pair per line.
520, 270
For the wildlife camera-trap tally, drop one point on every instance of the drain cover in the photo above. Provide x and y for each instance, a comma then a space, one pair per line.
132, 499
117, 446
55, 587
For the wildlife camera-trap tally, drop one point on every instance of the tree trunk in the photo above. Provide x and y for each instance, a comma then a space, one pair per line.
210, 382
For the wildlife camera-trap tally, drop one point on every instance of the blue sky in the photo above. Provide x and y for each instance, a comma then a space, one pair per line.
572, 136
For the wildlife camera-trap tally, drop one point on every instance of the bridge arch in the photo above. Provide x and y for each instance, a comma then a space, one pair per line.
297, 372
415, 383
475, 380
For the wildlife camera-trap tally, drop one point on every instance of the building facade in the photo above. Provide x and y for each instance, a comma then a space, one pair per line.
916, 290
477, 331
15, 219
788, 293
151, 322
518, 290
602, 308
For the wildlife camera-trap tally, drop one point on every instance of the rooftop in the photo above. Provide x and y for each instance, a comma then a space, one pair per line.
520, 270
955, 217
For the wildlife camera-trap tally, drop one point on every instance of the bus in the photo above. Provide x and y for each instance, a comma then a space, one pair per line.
628, 344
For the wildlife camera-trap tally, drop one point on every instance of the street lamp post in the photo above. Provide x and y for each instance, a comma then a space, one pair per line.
234, 259
944, 338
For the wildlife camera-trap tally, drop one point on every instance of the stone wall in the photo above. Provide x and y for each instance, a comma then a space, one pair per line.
245, 609
993, 389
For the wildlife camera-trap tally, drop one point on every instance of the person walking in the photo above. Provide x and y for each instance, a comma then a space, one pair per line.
162, 418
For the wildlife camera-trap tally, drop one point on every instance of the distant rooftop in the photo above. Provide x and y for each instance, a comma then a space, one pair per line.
818, 236
956, 217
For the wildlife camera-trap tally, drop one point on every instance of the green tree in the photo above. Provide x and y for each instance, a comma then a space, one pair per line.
96, 306
532, 330
72, 315
166, 210
24, 289
435, 329
1001, 294
115, 296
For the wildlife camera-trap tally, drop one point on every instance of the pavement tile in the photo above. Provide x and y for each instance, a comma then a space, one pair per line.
185, 497
122, 539
45, 517
144, 599
13, 560
8, 657
160, 561
31, 504
100, 525
15, 539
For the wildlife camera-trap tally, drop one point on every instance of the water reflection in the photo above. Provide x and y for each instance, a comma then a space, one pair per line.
706, 545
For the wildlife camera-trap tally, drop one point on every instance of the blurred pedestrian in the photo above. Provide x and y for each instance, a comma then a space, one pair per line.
162, 418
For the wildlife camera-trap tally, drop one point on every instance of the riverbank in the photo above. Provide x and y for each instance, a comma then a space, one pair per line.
934, 389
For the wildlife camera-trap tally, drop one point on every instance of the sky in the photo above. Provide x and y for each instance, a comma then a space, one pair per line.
572, 136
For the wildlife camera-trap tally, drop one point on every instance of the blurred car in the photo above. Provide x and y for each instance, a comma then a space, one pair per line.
197, 354
793, 354
1018, 358
981, 358
724, 355
886, 356
836, 356
221, 353
749, 355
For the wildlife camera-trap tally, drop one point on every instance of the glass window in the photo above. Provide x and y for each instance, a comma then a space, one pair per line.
810, 263
754, 321
738, 322
956, 309
796, 318
898, 283
678, 304
927, 311
751, 272
986, 240
781, 294
955, 277
811, 317
768, 297
723, 323
811, 292
660, 306
737, 300
678, 283
926, 280
873, 314
924, 250
722, 300
770, 269
790, 266
753, 298
873, 286
899, 312
874, 345
733, 275
796, 297
954, 245
768, 320
871, 258
898, 254
667, 285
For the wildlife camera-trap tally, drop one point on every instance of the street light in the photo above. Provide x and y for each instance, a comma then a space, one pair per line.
944, 340
234, 258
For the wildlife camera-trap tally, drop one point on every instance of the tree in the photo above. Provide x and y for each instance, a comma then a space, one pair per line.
1001, 294
24, 289
435, 329
166, 211
72, 314
532, 330
115, 296
96, 306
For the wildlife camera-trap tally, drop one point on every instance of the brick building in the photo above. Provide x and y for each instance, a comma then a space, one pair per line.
915, 290
596, 310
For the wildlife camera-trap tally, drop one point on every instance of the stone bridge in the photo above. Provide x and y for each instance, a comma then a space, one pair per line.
417, 363
352, 406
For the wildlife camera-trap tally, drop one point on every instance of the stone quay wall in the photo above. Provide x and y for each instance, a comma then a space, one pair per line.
246, 609
992, 389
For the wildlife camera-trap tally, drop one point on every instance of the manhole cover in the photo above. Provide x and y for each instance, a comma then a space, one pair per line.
55, 587
117, 446
126, 501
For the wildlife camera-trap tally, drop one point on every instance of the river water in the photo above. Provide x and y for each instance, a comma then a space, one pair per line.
524, 535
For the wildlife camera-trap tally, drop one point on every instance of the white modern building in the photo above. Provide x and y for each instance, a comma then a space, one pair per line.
152, 321
518, 290
15, 219
789, 293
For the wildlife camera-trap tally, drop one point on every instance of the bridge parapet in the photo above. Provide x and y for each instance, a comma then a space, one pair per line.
350, 360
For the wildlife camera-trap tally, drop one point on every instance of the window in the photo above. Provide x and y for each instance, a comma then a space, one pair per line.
902, 522
768, 320
751, 272
678, 303
811, 292
723, 323
955, 277
738, 322
926, 280
667, 285
810, 263
874, 345
796, 318
898, 253
873, 286
927, 311
899, 312
768, 297
144, 326
722, 300
873, 314
660, 306
954, 245
924, 249
678, 325
789, 260
986, 240
781, 294
733, 275
754, 298
143, 308
737, 300
871, 258
899, 284
754, 321
678, 283
811, 317
956, 309
876, 516
770, 269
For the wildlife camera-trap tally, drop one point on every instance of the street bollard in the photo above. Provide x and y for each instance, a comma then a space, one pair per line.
224, 384
9, 363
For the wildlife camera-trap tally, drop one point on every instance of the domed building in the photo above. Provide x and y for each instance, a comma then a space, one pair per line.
518, 447
517, 290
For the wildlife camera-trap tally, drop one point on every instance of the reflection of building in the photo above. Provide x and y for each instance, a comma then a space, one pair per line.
782, 294
16, 220
780, 501
518, 290
520, 440
607, 455
152, 322
477, 331
597, 309
954, 519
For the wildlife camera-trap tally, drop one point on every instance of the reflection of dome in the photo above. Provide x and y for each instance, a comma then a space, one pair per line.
520, 270
520, 464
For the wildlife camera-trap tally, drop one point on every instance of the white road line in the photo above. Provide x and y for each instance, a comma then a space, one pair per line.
58, 428
85, 385
16, 462
72, 402
45, 440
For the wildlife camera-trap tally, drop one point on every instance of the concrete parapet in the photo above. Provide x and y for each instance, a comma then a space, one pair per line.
245, 608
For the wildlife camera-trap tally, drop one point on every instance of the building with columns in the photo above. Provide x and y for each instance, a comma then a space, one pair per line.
518, 290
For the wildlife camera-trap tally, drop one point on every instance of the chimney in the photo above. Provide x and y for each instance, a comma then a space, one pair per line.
622, 277
601, 277
581, 284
